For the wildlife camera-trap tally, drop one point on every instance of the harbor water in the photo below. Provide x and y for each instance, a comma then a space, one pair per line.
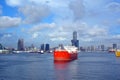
88, 66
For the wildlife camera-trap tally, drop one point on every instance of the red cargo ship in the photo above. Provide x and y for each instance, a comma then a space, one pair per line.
65, 53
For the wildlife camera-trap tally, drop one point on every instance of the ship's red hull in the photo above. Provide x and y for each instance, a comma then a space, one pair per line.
64, 55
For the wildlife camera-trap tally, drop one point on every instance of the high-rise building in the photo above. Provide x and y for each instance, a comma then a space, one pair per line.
99, 48
102, 48
21, 45
114, 46
1, 47
47, 47
42, 48
74, 41
92, 48
74, 35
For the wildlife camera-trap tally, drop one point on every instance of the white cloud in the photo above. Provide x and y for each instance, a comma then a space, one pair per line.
36, 10
110, 39
7, 35
116, 36
113, 7
92, 33
35, 35
86, 39
97, 31
15, 2
96, 4
61, 9
58, 39
8, 39
78, 8
6, 21
41, 26
34, 13
58, 35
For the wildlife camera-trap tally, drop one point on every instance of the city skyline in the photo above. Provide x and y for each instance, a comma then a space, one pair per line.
48, 21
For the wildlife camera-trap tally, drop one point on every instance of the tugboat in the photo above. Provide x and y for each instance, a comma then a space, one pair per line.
117, 53
65, 53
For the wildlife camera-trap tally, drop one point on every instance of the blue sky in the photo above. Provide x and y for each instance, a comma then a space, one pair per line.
53, 21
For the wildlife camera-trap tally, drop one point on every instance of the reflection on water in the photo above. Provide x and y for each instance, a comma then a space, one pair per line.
61, 65
65, 70
61, 70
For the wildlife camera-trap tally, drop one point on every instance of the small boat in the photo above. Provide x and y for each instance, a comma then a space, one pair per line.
18, 51
65, 53
117, 53
111, 50
4, 51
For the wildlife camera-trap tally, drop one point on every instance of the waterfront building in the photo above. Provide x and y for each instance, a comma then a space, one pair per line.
99, 48
88, 49
47, 47
82, 49
102, 48
1, 47
3, 50
74, 41
21, 45
92, 48
32, 46
114, 46
42, 48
